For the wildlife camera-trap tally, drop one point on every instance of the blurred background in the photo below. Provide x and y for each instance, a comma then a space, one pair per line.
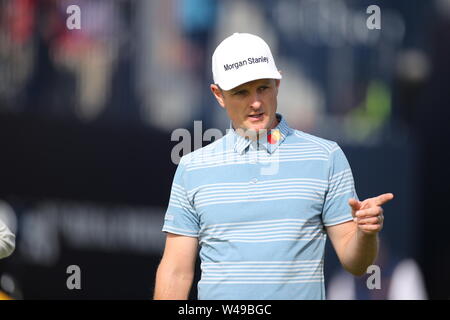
87, 115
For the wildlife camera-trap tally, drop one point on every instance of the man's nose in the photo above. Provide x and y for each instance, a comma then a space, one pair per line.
256, 101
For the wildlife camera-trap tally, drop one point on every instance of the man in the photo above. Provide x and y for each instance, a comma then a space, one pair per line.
261, 205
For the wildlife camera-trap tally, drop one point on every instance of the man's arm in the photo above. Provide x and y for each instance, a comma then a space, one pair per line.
176, 270
356, 242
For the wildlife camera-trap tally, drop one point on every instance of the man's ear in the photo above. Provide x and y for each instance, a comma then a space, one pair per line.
218, 94
277, 83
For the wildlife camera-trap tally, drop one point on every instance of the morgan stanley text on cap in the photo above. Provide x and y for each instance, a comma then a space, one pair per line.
240, 58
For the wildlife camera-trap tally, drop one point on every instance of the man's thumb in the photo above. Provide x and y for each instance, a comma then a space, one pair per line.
355, 204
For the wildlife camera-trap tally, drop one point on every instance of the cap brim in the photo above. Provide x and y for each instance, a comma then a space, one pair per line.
228, 85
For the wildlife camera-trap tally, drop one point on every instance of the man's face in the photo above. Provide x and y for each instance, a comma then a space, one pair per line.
251, 105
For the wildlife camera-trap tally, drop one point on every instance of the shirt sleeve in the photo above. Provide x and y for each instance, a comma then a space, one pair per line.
7, 241
181, 217
341, 188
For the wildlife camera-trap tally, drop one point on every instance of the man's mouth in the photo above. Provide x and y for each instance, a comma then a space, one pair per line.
256, 117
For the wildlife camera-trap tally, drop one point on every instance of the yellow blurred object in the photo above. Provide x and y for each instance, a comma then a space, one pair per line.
4, 296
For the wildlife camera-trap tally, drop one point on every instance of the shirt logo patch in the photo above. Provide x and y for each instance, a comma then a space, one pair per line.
274, 136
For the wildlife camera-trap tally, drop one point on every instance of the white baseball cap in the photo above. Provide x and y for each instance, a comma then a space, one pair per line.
240, 58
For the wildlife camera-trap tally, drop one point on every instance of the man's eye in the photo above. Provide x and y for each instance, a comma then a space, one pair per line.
262, 88
240, 93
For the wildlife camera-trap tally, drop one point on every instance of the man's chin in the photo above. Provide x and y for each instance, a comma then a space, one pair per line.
256, 128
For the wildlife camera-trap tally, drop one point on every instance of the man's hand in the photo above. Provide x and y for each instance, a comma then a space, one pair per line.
368, 214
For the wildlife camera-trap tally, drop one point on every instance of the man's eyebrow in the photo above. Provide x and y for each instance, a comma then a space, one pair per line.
235, 90
265, 82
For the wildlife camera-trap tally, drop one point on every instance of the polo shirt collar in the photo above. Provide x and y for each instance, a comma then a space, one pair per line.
275, 137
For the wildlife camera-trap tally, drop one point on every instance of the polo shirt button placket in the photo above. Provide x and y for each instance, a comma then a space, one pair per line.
253, 154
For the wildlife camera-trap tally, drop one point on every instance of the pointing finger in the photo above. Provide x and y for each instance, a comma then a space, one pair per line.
382, 199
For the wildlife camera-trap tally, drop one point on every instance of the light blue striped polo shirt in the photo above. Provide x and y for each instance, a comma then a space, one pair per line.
259, 210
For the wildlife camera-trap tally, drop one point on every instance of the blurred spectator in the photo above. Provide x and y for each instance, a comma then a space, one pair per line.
48, 69
197, 20
90, 53
17, 20
171, 55
48, 88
